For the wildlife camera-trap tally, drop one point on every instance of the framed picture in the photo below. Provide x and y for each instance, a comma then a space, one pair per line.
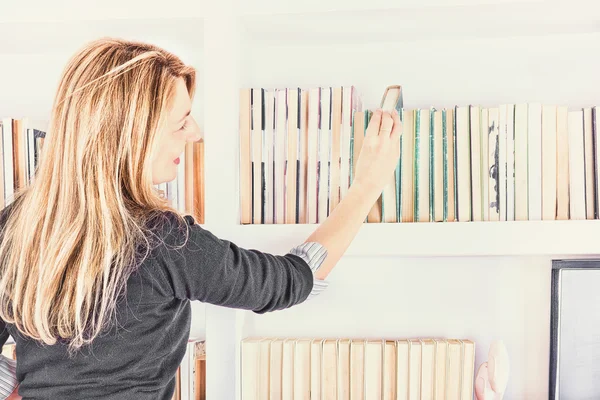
575, 330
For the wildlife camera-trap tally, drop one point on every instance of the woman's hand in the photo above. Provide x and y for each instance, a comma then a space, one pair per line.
379, 153
377, 160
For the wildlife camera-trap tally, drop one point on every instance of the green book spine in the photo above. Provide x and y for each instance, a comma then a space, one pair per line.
455, 166
399, 172
417, 145
445, 163
431, 165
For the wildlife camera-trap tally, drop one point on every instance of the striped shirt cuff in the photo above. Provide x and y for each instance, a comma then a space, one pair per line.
8, 376
314, 254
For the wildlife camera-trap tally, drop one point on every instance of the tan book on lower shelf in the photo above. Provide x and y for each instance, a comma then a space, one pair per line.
302, 353
427, 369
250, 368
316, 354
287, 369
329, 370
441, 349
343, 369
453, 370
275, 368
468, 372
357, 369
373, 369
414, 369
389, 370
402, 368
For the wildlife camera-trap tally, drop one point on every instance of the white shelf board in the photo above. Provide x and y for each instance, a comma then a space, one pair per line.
513, 238
274, 7
76, 10
376, 24
52, 37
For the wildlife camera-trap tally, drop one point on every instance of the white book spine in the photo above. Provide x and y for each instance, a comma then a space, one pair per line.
324, 153
502, 161
549, 162
31, 153
534, 149
510, 162
345, 140
423, 165
493, 175
476, 195
7, 143
313, 145
485, 193
521, 174
269, 153
280, 158
576, 165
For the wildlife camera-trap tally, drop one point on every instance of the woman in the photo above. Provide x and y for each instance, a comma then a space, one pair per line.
97, 272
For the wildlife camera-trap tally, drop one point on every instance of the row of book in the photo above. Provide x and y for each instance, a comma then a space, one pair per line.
340, 368
527, 161
21, 141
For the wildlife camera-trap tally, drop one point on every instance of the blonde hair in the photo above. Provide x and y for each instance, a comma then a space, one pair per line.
73, 237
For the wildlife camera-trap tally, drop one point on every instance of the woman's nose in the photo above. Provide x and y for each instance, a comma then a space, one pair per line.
194, 133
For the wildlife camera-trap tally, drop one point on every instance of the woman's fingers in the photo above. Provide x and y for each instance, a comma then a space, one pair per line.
397, 131
387, 124
374, 124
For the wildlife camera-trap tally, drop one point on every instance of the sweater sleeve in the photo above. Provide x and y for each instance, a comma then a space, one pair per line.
8, 367
202, 267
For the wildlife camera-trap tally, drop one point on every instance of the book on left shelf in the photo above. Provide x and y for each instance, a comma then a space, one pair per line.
21, 144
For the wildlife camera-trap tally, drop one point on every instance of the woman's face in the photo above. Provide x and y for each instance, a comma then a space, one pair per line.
180, 129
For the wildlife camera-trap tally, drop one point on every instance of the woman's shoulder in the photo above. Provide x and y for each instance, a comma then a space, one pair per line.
168, 229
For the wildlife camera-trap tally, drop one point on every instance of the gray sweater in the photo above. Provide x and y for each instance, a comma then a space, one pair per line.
138, 357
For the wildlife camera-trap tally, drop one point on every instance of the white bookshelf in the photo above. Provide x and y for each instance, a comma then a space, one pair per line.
483, 281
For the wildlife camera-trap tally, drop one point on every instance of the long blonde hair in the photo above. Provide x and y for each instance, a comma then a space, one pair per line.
73, 236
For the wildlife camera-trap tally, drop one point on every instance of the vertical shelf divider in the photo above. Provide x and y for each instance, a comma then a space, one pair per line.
221, 88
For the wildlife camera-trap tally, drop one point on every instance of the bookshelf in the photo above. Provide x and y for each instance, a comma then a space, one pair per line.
484, 280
